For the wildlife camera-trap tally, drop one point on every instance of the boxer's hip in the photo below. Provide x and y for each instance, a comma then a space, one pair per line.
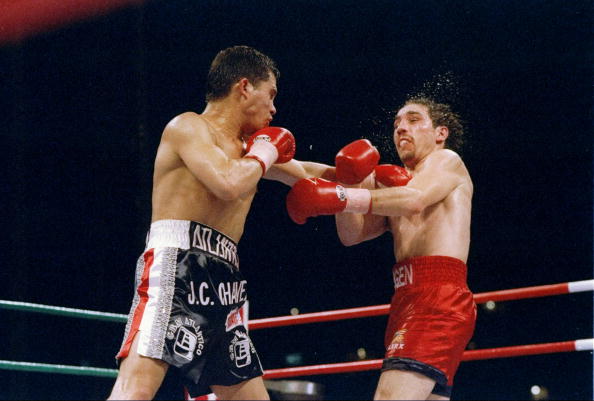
423, 271
192, 235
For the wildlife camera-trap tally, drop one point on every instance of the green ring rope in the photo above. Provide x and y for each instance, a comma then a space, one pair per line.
62, 311
63, 369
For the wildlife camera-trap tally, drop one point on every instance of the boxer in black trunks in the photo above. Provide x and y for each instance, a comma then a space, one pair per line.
192, 271
186, 309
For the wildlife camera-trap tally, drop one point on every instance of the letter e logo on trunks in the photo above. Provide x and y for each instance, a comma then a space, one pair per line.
241, 349
397, 340
188, 337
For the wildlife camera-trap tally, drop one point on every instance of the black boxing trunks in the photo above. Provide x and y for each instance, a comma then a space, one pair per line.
432, 318
187, 308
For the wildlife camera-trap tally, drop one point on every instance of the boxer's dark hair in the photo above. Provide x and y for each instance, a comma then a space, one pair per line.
234, 63
441, 114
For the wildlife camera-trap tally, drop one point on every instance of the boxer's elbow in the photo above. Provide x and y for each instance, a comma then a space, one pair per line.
348, 240
349, 229
229, 190
226, 193
238, 179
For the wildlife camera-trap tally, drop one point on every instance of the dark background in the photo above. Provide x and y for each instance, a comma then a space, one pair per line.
83, 107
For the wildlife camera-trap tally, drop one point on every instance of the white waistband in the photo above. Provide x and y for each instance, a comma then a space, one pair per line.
169, 233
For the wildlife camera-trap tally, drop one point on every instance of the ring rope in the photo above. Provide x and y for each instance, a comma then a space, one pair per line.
63, 369
502, 352
62, 311
325, 316
344, 367
489, 353
535, 292
377, 310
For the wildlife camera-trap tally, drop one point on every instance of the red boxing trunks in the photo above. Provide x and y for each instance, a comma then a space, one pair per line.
187, 307
432, 317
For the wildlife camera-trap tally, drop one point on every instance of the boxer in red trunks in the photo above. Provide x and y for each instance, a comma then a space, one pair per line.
427, 208
432, 316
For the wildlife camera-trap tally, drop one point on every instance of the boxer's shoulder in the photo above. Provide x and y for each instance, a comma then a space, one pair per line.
188, 125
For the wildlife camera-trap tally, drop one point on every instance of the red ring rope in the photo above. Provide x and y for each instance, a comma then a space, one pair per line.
378, 310
472, 355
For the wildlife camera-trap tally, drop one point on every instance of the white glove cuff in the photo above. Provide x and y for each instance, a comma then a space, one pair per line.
265, 152
358, 200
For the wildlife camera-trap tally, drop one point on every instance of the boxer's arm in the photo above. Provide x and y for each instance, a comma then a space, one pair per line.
294, 170
354, 228
226, 178
442, 172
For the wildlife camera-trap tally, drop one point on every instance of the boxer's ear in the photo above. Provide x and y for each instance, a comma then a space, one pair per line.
442, 134
243, 86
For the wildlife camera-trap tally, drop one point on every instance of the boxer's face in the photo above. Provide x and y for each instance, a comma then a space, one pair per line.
414, 134
260, 108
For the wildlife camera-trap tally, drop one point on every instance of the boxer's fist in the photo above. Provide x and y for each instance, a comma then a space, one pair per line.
356, 161
312, 197
271, 145
391, 175
281, 138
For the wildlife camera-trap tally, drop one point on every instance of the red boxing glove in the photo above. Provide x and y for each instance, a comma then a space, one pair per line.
312, 197
356, 161
271, 145
391, 175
